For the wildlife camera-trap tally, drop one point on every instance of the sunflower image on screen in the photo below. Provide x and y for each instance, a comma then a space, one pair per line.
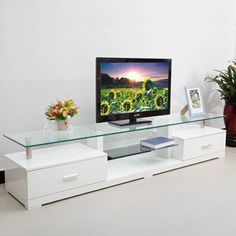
133, 87
195, 98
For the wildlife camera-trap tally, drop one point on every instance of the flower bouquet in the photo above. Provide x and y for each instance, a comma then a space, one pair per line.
62, 111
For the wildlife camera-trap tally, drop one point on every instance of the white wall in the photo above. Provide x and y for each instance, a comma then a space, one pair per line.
48, 49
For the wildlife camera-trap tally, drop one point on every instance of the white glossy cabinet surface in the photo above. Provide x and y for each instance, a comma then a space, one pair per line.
53, 170
64, 171
64, 177
195, 142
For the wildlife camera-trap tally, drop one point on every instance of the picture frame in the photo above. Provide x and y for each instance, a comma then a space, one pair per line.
194, 101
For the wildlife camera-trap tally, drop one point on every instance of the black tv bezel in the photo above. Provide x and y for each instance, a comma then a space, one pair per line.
132, 115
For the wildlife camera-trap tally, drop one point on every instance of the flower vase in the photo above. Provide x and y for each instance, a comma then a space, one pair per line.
230, 123
62, 125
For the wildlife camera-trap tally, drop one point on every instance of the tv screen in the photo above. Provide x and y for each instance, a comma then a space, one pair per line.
128, 88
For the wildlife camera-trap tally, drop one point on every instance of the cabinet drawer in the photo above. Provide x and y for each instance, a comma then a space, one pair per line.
195, 147
60, 178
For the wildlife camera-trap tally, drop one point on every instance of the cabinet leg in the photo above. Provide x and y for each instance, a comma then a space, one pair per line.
28, 153
203, 124
96, 143
148, 176
32, 206
165, 152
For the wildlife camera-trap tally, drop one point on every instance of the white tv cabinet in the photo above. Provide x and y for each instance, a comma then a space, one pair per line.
53, 173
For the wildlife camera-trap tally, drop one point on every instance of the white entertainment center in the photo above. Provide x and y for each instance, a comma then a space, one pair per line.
69, 169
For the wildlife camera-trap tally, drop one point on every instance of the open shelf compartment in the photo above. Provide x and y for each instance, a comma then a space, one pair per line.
130, 151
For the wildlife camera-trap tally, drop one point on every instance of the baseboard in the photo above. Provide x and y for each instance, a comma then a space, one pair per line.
2, 176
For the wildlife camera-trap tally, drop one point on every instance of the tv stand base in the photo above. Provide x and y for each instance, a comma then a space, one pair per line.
128, 122
69, 170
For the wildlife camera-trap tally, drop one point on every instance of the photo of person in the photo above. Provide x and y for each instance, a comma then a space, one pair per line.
195, 98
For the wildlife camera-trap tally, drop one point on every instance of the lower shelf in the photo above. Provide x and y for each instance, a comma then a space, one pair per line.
133, 167
145, 163
129, 151
126, 151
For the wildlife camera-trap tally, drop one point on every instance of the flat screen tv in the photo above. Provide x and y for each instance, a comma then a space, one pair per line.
131, 88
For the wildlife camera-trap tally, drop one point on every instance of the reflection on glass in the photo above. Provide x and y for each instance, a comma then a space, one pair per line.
49, 135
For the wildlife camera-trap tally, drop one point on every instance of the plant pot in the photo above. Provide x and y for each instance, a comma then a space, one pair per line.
62, 125
230, 123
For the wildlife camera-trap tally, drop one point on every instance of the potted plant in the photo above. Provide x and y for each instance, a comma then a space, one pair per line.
226, 80
62, 111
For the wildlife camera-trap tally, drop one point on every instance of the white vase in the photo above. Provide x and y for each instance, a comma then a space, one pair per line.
62, 125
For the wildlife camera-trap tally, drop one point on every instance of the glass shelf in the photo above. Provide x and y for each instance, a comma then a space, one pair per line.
131, 150
40, 138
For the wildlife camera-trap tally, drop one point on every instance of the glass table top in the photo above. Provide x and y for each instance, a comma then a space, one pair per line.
86, 131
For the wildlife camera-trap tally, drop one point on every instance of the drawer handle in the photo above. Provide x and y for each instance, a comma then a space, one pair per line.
70, 177
206, 147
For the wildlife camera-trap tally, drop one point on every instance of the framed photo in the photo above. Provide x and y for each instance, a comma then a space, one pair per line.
194, 100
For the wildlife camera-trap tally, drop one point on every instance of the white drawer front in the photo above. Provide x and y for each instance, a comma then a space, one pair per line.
203, 146
60, 178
